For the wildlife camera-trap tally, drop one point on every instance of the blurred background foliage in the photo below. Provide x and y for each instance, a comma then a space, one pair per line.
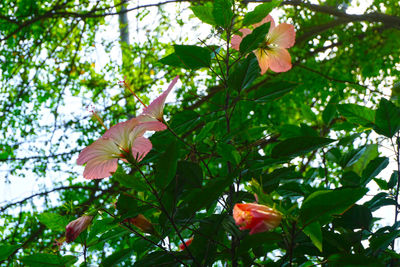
61, 58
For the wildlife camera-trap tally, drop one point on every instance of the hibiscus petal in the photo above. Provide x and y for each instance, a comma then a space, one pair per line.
283, 35
99, 168
102, 148
120, 132
263, 60
140, 147
265, 20
146, 126
279, 59
235, 42
259, 227
237, 39
155, 109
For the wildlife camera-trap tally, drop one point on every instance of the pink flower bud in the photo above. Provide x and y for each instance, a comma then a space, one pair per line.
255, 217
187, 242
142, 223
76, 227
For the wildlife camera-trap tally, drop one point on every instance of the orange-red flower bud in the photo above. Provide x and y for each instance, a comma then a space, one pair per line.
255, 217
187, 242
142, 223
76, 227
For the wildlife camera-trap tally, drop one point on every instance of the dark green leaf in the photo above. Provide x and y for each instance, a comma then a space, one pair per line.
159, 258
353, 260
244, 73
45, 260
260, 12
253, 241
222, 12
204, 13
127, 206
378, 201
188, 57
382, 241
329, 113
7, 250
253, 40
313, 231
228, 153
373, 169
129, 181
357, 217
393, 180
117, 257
357, 160
272, 91
299, 145
320, 205
387, 118
166, 166
357, 114
190, 174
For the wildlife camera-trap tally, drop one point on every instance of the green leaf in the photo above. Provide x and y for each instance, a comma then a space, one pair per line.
173, 60
7, 250
244, 73
272, 91
188, 57
117, 257
393, 180
256, 240
253, 40
129, 181
320, 205
357, 217
127, 206
357, 114
53, 221
387, 118
45, 260
360, 159
379, 200
373, 169
313, 231
299, 145
159, 258
329, 113
166, 166
382, 241
222, 12
204, 13
228, 153
190, 174
260, 12
353, 260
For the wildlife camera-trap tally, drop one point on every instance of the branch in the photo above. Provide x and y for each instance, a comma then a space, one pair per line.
42, 157
48, 192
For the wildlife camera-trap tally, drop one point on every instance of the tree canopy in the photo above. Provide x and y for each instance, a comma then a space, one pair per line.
278, 145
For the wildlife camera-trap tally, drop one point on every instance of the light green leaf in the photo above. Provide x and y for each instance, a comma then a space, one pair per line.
260, 12
313, 231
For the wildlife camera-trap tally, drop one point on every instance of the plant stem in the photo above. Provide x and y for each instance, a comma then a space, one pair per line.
164, 210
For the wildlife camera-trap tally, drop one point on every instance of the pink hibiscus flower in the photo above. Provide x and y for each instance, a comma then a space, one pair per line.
272, 54
123, 140
154, 111
255, 217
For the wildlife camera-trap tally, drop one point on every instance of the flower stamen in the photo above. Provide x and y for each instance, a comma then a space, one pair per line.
124, 83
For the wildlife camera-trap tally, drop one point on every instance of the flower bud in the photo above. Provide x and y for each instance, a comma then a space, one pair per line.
76, 227
255, 217
142, 223
187, 242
